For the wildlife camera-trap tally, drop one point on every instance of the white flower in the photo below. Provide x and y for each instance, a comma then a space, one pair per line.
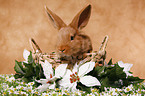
49, 82
126, 67
19, 87
91, 94
11, 79
129, 88
78, 75
11, 90
30, 83
46, 94
26, 53
113, 91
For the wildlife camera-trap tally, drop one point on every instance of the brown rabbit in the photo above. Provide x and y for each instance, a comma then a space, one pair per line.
72, 44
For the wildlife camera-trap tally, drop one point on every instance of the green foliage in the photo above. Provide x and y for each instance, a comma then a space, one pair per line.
82, 87
110, 62
110, 75
29, 71
12, 87
113, 75
19, 67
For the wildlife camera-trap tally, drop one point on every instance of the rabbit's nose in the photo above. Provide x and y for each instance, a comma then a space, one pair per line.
62, 50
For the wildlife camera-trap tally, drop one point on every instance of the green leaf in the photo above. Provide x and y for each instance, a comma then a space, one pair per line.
30, 58
29, 70
18, 76
110, 62
100, 69
130, 72
39, 72
19, 67
113, 76
83, 87
105, 82
134, 80
27, 80
116, 73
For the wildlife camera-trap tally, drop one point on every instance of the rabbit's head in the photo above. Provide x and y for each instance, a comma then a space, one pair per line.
71, 43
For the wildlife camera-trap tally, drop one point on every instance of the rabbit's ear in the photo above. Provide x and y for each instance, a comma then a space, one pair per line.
82, 18
56, 20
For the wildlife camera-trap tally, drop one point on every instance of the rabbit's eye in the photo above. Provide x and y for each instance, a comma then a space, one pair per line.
72, 37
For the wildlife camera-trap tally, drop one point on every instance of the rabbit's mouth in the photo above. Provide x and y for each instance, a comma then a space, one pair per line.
65, 57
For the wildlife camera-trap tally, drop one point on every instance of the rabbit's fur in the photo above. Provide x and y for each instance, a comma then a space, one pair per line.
72, 44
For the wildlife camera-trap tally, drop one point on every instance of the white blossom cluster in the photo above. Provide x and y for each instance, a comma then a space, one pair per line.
11, 87
68, 80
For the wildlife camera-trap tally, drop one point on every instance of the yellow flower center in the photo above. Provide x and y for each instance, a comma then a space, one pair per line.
128, 89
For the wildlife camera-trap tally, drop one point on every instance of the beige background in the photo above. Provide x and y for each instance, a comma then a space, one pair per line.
122, 20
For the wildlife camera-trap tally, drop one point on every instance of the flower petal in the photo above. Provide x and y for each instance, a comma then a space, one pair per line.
26, 53
53, 79
43, 87
75, 68
65, 82
120, 63
47, 68
126, 67
52, 86
60, 70
42, 81
86, 68
128, 74
73, 87
90, 81
67, 74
